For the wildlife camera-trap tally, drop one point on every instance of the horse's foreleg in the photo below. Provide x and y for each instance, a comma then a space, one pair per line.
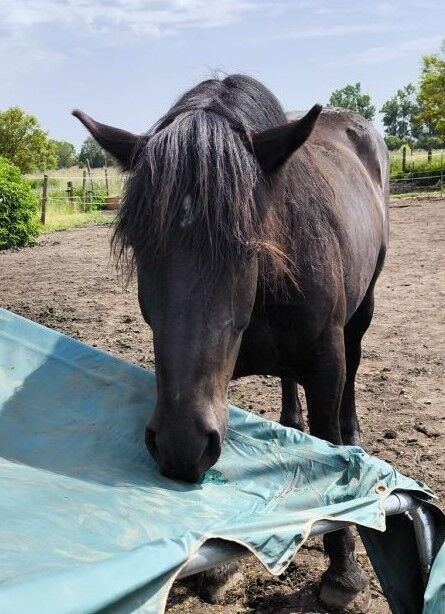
291, 412
354, 331
212, 585
344, 582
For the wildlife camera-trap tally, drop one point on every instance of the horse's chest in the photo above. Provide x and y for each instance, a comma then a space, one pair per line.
275, 344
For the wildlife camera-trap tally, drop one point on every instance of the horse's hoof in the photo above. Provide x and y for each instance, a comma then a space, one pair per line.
214, 585
337, 599
346, 590
292, 423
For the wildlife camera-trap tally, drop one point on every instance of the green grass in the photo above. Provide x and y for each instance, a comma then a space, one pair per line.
423, 194
64, 221
63, 212
58, 180
416, 160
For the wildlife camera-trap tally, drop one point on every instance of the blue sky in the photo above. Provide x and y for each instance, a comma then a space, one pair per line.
126, 61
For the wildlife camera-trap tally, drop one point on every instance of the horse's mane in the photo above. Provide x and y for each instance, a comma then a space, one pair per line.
195, 178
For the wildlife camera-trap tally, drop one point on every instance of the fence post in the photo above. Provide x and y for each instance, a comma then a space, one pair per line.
441, 173
91, 184
70, 192
89, 174
44, 199
84, 188
404, 159
106, 179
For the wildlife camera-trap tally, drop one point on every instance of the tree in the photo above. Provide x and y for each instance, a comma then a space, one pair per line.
394, 142
432, 91
429, 143
66, 154
400, 113
93, 152
351, 97
24, 143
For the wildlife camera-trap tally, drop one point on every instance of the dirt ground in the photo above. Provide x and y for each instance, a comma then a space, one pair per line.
67, 282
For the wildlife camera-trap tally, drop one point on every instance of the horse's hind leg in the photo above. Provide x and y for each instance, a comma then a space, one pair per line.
354, 331
291, 412
344, 584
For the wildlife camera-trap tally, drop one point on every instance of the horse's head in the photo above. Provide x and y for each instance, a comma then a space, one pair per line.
198, 216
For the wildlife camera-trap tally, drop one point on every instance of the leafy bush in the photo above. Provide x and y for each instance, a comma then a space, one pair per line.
18, 208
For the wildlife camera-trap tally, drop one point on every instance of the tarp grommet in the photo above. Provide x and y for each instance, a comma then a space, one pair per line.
381, 488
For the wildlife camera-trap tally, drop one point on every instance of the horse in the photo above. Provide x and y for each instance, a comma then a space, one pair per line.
256, 238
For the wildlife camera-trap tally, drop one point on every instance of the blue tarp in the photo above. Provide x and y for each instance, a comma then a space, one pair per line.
435, 591
87, 521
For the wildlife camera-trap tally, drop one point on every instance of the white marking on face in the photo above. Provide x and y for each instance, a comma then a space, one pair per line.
187, 214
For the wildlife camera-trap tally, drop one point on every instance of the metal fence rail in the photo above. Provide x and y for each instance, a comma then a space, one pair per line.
218, 551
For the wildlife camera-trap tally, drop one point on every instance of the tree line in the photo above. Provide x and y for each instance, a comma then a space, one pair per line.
27, 145
414, 115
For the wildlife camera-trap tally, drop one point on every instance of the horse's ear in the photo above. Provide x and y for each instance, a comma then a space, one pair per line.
119, 143
273, 147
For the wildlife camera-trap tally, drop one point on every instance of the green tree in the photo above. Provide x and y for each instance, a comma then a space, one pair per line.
351, 97
66, 154
24, 143
400, 113
93, 152
425, 141
432, 91
18, 208
394, 142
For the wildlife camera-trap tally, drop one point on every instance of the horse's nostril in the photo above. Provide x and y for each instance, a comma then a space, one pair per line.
213, 450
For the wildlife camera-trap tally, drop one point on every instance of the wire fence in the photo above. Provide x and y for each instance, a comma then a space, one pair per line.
406, 160
86, 190
77, 191
417, 171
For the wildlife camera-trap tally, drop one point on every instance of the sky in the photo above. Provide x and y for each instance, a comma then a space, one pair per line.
126, 61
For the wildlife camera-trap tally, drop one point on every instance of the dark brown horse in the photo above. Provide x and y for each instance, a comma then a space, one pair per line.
257, 239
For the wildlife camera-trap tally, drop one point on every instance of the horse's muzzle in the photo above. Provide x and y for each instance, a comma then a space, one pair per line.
186, 458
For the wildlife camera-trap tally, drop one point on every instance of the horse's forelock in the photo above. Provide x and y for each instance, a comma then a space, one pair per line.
198, 150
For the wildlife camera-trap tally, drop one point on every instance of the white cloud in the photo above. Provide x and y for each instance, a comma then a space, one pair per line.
38, 33
397, 49
140, 17
340, 30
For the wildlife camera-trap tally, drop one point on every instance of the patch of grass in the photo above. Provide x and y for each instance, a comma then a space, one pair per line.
424, 194
58, 180
416, 160
63, 221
